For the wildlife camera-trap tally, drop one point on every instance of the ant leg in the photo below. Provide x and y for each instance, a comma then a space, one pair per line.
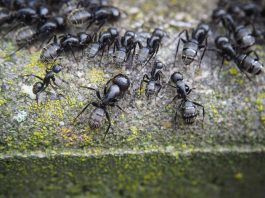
9, 55
71, 49
175, 97
37, 98
253, 52
152, 55
223, 60
89, 25
177, 49
206, 43
90, 88
82, 111
103, 50
132, 57
159, 88
116, 105
202, 111
100, 25
54, 82
108, 118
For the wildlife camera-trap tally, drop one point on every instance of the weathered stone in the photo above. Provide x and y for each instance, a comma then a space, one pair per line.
44, 153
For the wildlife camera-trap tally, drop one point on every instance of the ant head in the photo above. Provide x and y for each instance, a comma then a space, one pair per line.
57, 68
130, 33
113, 31
220, 40
116, 14
204, 26
217, 14
37, 87
84, 38
159, 32
60, 21
159, 64
176, 76
43, 12
122, 81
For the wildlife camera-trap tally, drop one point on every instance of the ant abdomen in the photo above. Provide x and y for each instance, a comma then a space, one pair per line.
37, 87
190, 112
50, 53
96, 118
92, 50
120, 56
25, 35
79, 17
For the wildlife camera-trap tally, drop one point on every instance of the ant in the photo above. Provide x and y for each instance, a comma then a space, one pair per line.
99, 15
49, 79
66, 42
153, 81
187, 107
183, 90
153, 45
247, 10
124, 46
114, 90
105, 39
25, 15
194, 44
29, 34
243, 34
244, 61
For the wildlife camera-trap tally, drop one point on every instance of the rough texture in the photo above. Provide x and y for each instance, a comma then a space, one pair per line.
43, 151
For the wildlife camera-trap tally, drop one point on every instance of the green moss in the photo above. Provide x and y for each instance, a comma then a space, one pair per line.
2, 101
238, 176
233, 71
96, 76
134, 133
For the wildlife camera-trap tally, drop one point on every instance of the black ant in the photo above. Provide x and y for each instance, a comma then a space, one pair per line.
153, 45
220, 15
113, 91
13, 5
99, 15
247, 10
26, 15
124, 46
194, 44
243, 34
49, 79
244, 61
153, 82
105, 39
183, 90
29, 34
187, 107
189, 111
66, 42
